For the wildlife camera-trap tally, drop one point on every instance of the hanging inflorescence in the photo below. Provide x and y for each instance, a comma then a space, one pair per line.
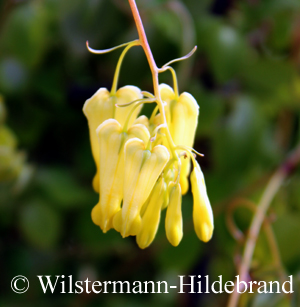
143, 163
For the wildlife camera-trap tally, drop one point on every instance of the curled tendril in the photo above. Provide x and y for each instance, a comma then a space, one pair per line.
240, 237
110, 49
180, 59
167, 67
233, 229
117, 72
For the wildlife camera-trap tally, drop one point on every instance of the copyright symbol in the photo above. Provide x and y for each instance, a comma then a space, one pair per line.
19, 284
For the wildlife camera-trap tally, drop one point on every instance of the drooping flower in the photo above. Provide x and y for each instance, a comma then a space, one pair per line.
101, 106
142, 169
151, 215
202, 212
124, 95
112, 138
182, 116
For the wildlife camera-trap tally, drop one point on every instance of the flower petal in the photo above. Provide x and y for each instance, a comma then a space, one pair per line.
97, 109
142, 168
125, 95
151, 217
111, 140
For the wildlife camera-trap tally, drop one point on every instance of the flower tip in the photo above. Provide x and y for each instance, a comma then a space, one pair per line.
88, 46
143, 240
130, 227
123, 230
206, 232
105, 226
175, 236
104, 230
184, 184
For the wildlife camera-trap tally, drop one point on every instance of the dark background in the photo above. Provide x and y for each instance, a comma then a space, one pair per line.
245, 77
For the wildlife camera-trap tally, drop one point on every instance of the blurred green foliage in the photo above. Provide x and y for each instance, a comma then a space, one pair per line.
245, 77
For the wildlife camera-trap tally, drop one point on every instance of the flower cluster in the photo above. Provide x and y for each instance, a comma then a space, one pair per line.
137, 176
143, 163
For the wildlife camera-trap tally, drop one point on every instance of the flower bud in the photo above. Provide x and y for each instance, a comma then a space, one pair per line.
202, 212
173, 222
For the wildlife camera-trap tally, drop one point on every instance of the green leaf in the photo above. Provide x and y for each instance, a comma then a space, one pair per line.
60, 186
25, 33
168, 24
40, 224
226, 50
285, 228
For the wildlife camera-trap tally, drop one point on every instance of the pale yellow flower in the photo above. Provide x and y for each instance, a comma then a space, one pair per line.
151, 215
142, 169
125, 95
111, 146
101, 106
134, 179
182, 117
